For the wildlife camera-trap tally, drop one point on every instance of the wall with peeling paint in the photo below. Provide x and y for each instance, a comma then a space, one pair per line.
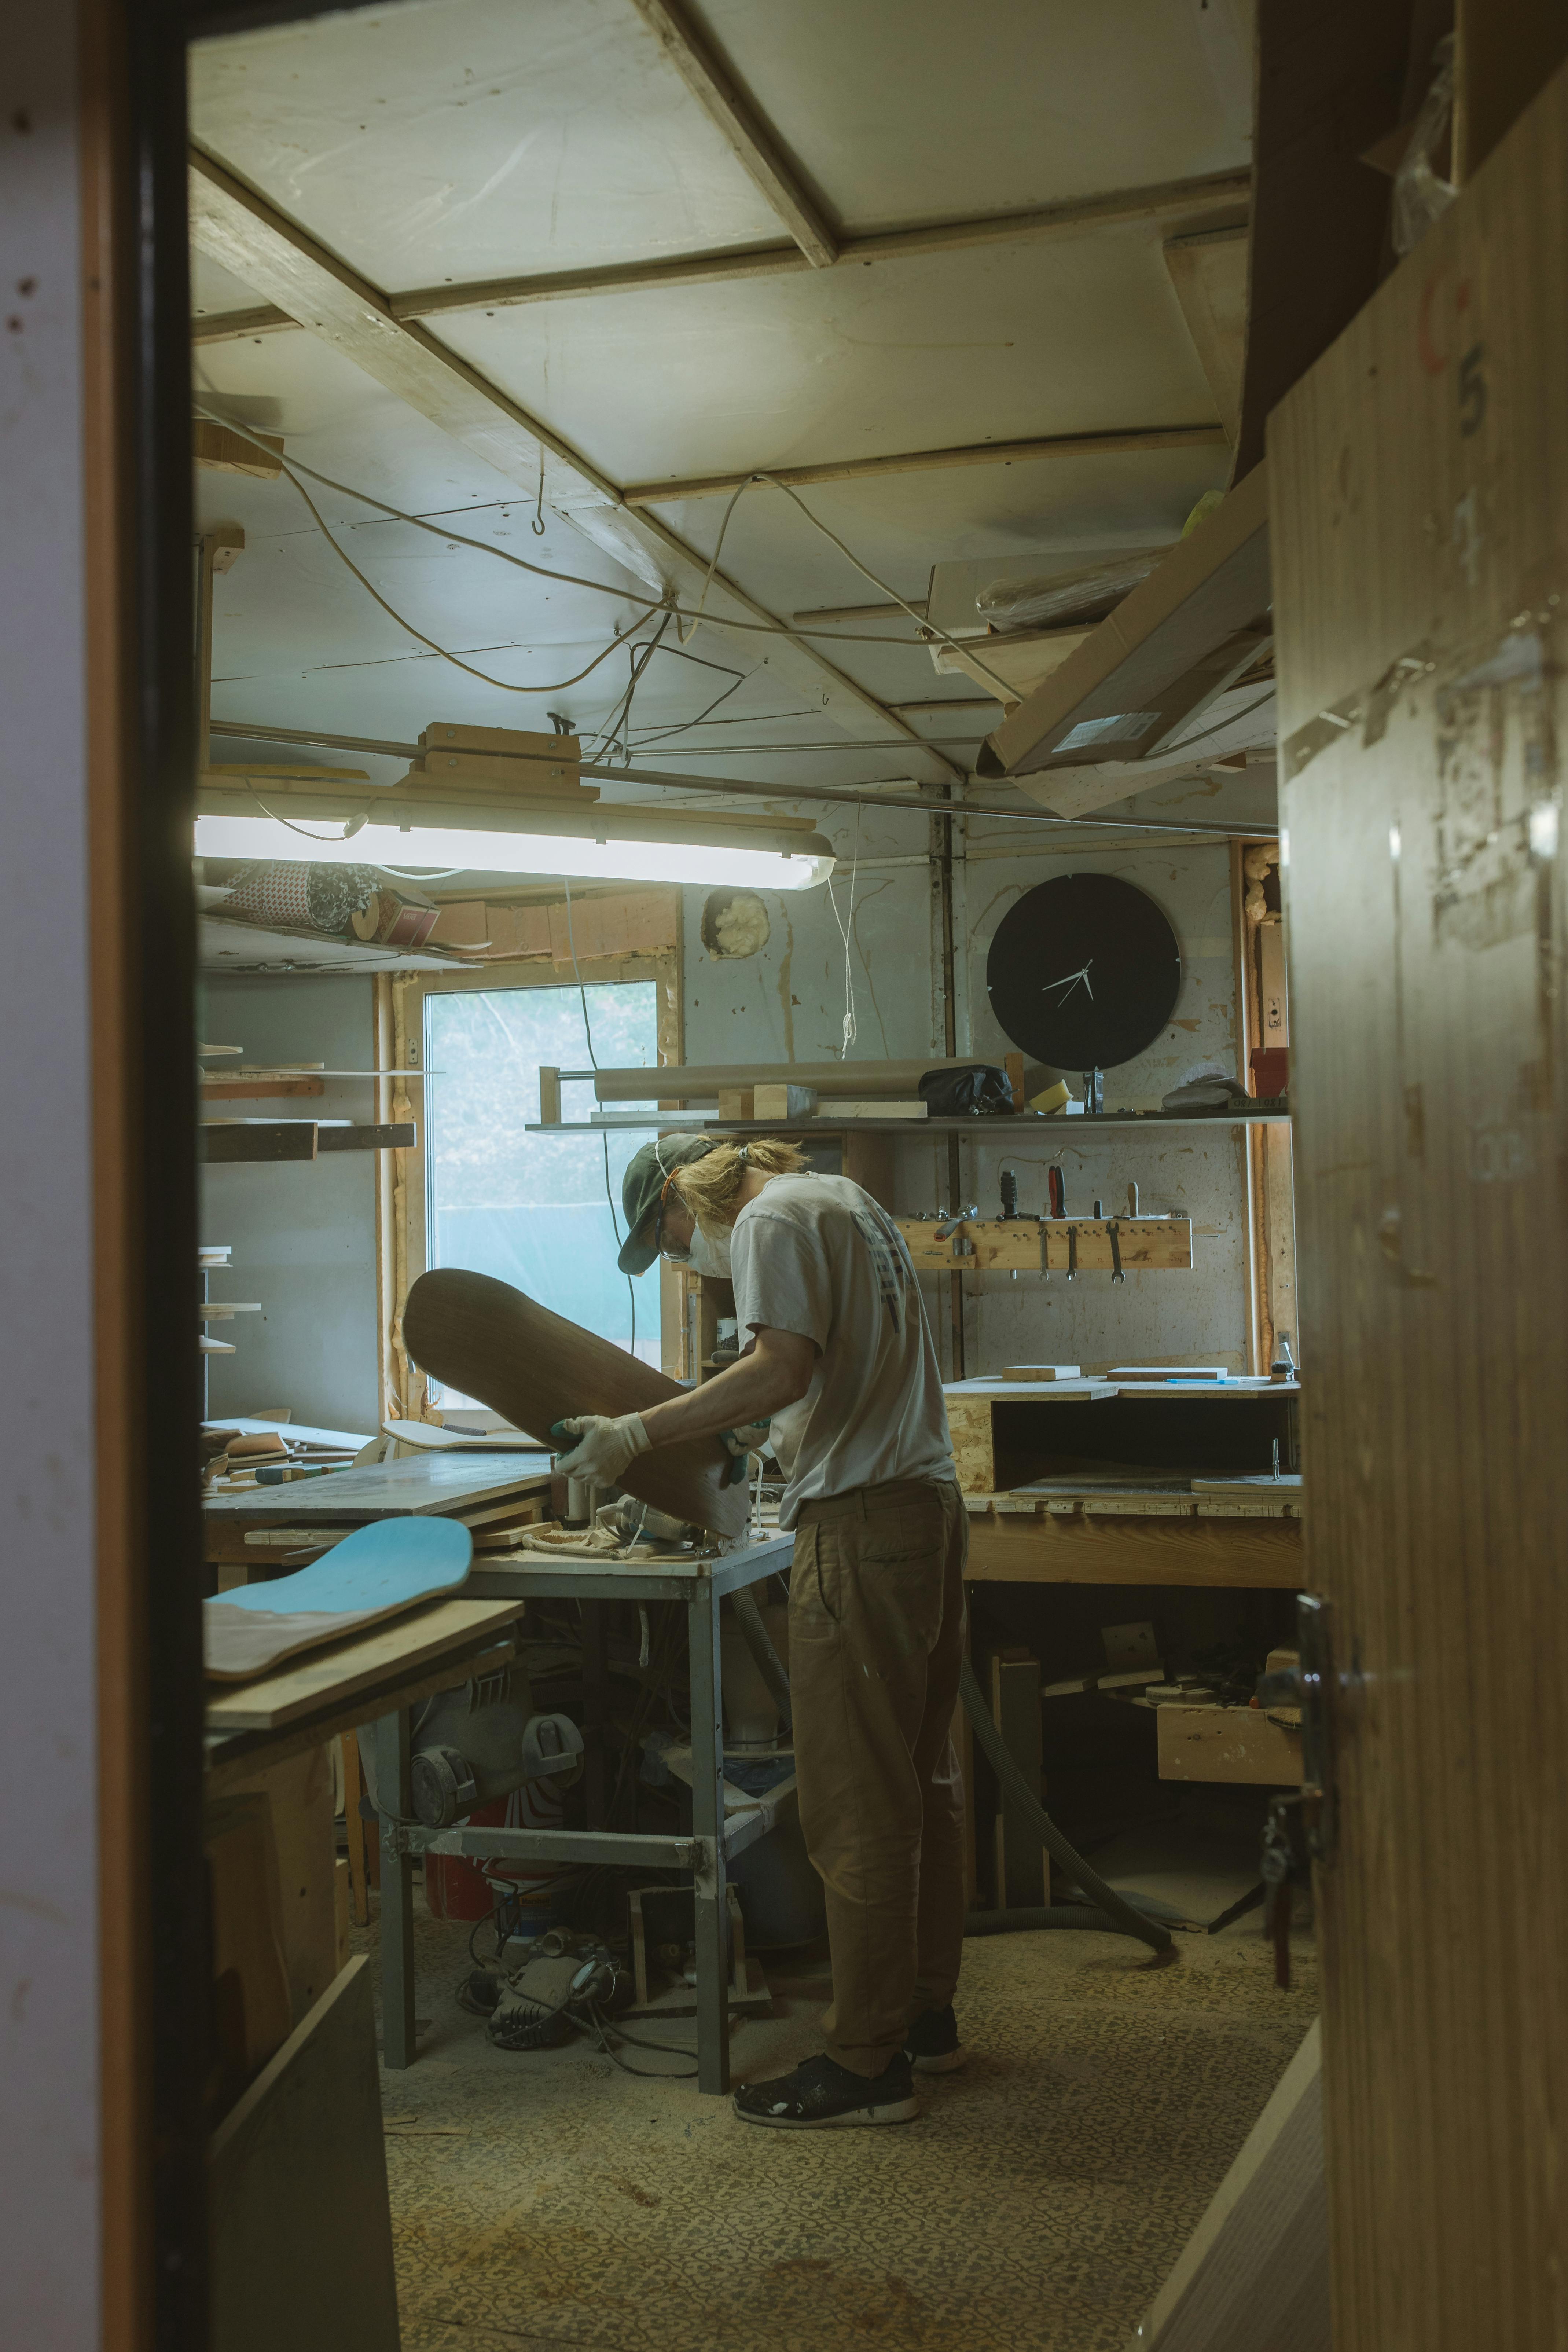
787, 1004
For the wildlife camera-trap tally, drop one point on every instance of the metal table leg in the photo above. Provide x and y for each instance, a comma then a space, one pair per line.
396, 1798
707, 1825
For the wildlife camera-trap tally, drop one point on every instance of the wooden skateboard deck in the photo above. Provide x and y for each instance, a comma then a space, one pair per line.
374, 1573
535, 1368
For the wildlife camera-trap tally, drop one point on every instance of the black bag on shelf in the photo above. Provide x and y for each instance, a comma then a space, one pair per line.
981, 1091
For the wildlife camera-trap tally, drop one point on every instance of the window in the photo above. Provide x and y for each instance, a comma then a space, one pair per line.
535, 1210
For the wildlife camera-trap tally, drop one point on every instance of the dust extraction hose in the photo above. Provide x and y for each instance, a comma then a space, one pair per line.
1110, 1912
1118, 1915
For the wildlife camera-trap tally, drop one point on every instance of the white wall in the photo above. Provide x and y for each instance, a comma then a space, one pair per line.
303, 1232
49, 2169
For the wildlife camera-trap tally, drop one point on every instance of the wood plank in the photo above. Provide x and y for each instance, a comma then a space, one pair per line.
1023, 1865
1254, 2276
1000, 1245
749, 137
969, 1425
1228, 191
1208, 272
1226, 1743
227, 1144
217, 450
1212, 585
1246, 1553
1430, 1065
535, 1368
298, 1795
216, 1089
397, 1135
447, 1482
1135, 442
299, 2216
327, 1677
1329, 81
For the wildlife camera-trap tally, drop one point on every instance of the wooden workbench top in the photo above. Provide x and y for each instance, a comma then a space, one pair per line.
385, 1490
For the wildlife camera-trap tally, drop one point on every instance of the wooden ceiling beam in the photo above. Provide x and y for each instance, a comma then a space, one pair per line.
928, 461
1225, 192
236, 227
747, 133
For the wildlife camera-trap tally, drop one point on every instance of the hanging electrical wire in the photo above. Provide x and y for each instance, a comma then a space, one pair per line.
293, 467
846, 929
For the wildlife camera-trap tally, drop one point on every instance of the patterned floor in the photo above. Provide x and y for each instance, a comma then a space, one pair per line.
547, 2203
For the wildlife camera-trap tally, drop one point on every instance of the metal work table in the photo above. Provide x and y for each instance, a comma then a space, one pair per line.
701, 1585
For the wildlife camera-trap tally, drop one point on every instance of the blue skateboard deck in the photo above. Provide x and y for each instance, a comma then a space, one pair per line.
374, 1572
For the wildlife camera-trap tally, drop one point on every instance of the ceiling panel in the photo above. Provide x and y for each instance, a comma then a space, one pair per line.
904, 111
448, 140
1000, 342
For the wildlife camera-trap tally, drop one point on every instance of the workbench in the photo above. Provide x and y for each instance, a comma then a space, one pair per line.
717, 1835
484, 1489
380, 1676
1146, 1512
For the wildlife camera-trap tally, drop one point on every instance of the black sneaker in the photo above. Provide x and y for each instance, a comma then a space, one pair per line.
821, 2094
931, 2044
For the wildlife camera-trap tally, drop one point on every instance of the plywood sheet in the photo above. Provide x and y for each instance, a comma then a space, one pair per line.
328, 1677
492, 1343
299, 2216
1421, 479
441, 1482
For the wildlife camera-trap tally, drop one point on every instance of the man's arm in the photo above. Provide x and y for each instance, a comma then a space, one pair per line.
776, 1372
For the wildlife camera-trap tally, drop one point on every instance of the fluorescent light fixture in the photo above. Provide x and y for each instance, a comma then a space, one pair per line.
703, 862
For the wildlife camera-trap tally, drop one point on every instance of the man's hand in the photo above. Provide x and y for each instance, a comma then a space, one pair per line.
605, 1447
751, 1438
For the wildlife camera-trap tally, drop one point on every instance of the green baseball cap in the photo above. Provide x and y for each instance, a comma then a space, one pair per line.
647, 1173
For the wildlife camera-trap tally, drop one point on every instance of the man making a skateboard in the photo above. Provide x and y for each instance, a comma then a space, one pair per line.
840, 1364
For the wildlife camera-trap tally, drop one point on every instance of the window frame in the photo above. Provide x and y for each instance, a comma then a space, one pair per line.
401, 1205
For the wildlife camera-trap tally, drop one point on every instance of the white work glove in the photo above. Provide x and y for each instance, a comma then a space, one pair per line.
606, 1446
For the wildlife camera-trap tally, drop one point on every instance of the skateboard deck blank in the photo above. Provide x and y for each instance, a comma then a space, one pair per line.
374, 1573
534, 1369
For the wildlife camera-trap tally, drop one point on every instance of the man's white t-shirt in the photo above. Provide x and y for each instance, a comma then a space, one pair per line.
816, 1256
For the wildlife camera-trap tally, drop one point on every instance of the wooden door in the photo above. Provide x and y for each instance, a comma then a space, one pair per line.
1419, 501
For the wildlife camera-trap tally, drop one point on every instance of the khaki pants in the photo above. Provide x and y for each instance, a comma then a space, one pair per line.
876, 1643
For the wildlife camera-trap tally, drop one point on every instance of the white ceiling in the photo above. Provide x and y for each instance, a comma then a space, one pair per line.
460, 139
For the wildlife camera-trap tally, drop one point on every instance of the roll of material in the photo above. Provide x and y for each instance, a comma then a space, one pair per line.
323, 899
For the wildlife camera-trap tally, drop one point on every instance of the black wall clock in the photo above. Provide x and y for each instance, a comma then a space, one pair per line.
1084, 972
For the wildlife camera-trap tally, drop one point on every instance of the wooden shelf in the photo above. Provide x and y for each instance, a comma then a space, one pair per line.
1023, 1126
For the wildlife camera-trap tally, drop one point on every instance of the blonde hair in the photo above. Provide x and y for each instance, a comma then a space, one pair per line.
711, 1187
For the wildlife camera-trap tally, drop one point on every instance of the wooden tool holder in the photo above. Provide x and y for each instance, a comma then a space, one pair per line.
1041, 1245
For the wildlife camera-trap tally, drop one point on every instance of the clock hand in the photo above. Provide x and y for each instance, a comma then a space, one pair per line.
1071, 981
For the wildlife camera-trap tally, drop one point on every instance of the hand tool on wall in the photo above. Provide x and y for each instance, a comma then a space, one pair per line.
1057, 1192
1009, 1194
1072, 1253
1132, 1200
1116, 1273
1100, 1211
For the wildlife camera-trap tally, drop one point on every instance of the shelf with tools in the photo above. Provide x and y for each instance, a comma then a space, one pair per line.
1064, 1244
